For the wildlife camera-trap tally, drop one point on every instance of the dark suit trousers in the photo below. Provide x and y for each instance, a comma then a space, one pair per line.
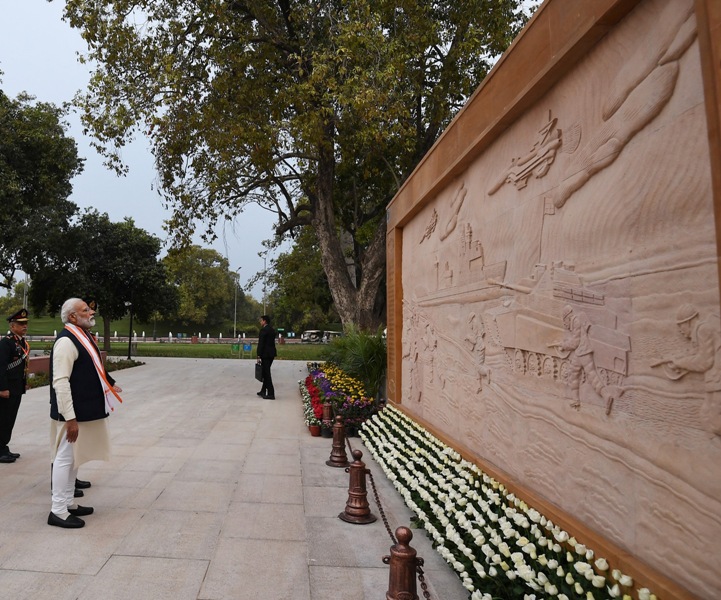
8, 413
267, 388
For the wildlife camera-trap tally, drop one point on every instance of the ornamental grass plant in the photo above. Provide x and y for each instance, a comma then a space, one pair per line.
361, 355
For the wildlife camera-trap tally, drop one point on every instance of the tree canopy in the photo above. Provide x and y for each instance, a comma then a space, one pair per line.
204, 285
300, 296
37, 162
115, 264
315, 110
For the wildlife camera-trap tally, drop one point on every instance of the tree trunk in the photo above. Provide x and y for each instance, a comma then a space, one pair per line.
355, 305
106, 335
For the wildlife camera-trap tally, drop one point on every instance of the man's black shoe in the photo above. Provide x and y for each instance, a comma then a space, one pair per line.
6, 458
82, 485
78, 493
14, 454
269, 397
71, 522
81, 511
261, 394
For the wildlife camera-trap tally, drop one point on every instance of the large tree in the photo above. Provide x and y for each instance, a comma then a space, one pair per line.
37, 162
115, 264
300, 296
317, 110
204, 285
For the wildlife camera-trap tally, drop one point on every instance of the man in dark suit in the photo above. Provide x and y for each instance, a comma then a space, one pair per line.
266, 354
14, 355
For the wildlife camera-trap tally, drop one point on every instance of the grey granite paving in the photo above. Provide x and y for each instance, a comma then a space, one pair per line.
212, 494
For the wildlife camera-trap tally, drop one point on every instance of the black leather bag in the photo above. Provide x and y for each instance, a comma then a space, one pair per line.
259, 371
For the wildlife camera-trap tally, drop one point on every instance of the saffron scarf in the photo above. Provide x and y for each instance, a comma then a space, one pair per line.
112, 398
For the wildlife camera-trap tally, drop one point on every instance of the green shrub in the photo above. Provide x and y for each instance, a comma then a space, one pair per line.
361, 355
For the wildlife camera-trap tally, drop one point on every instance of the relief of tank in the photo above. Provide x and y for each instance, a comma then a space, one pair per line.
530, 328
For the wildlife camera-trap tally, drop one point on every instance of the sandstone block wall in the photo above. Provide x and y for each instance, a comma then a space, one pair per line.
553, 279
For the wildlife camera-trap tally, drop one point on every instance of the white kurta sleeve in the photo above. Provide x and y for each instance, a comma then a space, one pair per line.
64, 356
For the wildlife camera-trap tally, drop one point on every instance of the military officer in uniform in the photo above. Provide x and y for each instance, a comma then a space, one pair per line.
14, 356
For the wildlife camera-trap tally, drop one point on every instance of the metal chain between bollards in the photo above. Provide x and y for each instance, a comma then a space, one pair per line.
419, 560
422, 579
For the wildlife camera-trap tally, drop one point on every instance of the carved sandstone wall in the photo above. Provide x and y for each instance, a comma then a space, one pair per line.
553, 285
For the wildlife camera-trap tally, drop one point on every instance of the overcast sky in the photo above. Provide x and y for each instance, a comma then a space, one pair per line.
38, 55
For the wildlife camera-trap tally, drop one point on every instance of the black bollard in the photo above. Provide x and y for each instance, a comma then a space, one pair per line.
357, 509
403, 563
338, 457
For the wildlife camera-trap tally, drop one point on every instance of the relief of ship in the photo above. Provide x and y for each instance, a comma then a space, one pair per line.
460, 271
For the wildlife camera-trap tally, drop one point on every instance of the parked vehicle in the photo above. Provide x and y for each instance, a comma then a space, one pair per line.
311, 336
328, 336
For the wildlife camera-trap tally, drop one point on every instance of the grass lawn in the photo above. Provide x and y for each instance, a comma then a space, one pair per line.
46, 325
306, 352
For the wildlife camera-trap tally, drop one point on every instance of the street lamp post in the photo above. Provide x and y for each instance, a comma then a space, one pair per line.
235, 309
265, 277
130, 333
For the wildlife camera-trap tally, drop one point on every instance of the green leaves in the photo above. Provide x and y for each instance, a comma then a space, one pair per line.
326, 105
37, 162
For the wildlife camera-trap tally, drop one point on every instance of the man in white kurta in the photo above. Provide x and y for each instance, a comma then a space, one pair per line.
79, 407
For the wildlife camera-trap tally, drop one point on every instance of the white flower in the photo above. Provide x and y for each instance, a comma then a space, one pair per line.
614, 591
644, 594
624, 580
551, 589
601, 564
581, 567
580, 549
525, 572
598, 581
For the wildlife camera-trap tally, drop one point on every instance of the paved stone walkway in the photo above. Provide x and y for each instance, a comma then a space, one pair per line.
212, 494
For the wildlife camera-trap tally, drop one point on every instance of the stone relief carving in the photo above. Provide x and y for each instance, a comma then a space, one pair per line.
431, 227
457, 345
459, 260
647, 243
637, 96
538, 160
419, 347
577, 348
475, 342
452, 220
705, 337
556, 329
